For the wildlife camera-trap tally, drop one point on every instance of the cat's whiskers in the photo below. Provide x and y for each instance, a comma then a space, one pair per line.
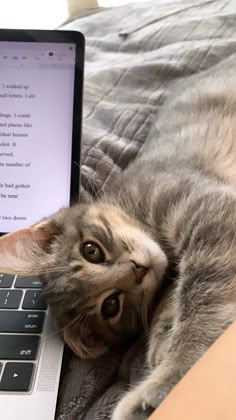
95, 192
89, 180
53, 270
46, 337
125, 195
101, 196
77, 342
85, 326
136, 205
88, 308
144, 312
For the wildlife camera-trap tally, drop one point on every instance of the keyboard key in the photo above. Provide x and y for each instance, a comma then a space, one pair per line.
6, 280
10, 299
34, 299
28, 283
21, 321
19, 347
16, 377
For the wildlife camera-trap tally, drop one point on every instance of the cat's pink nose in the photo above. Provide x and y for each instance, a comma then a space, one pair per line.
139, 271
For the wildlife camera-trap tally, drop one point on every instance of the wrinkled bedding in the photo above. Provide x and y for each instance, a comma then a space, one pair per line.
135, 54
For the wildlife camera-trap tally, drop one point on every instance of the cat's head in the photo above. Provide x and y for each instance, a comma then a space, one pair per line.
99, 268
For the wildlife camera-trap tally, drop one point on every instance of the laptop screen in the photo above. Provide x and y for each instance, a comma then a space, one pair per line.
36, 124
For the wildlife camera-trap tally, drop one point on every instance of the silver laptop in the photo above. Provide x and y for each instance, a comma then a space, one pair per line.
41, 79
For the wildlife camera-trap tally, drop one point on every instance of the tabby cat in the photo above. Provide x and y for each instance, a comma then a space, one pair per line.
168, 225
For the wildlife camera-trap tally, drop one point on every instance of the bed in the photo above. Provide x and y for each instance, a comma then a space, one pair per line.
135, 54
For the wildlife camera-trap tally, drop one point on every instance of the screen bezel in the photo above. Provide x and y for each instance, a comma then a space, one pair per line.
61, 36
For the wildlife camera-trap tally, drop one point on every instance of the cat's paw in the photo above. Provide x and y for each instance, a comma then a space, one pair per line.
139, 403
132, 407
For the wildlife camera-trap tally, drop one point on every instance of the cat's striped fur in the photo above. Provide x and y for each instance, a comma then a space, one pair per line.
178, 200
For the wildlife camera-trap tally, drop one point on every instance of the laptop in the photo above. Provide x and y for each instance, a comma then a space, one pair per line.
41, 81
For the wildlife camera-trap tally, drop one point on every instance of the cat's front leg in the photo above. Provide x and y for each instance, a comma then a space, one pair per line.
132, 407
204, 304
186, 346
136, 403
140, 402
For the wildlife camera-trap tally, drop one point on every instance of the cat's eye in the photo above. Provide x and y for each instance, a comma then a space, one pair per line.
110, 307
93, 253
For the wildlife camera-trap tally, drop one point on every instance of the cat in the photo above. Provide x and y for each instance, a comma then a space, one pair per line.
155, 254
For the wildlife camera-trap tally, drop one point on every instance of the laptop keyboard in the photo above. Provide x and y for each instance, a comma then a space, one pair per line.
22, 315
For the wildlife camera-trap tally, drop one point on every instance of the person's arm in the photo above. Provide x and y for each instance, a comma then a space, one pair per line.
208, 390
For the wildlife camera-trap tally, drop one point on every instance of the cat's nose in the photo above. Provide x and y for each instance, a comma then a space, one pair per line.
139, 271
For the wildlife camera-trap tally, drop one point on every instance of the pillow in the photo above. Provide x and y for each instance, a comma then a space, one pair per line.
76, 6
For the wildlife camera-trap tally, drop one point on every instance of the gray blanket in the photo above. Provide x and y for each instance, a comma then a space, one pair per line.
134, 56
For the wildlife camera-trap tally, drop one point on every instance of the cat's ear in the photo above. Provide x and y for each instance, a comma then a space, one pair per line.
23, 252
